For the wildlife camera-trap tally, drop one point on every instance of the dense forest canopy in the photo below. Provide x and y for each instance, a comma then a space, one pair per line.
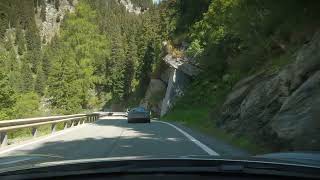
101, 55
104, 55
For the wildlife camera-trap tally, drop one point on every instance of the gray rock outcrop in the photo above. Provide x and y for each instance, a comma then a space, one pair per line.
154, 95
50, 27
131, 8
178, 80
281, 110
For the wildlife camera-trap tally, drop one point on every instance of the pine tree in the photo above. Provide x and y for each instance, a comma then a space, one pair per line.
63, 88
128, 77
3, 24
40, 81
26, 77
43, 13
20, 40
130, 66
46, 64
146, 68
115, 71
7, 97
32, 37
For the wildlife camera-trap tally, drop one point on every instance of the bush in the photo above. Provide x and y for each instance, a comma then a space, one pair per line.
195, 49
27, 105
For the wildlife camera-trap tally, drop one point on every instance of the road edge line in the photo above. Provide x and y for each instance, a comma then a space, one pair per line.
191, 138
41, 139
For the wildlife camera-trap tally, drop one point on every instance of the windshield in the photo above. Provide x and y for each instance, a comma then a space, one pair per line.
228, 78
140, 109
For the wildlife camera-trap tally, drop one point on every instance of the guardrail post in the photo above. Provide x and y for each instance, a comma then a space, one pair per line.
4, 138
53, 127
34, 131
65, 124
79, 122
72, 123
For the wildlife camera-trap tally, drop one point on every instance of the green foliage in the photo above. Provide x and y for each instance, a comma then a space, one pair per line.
7, 98
20, 40
27, 105
233, 39
197, 118
46, 64
142, 3
248, 33
146, 69
131, 37
178, 15
40, 81
78, 56
63, 88
3, 24
27, 81
195, 50
32, 37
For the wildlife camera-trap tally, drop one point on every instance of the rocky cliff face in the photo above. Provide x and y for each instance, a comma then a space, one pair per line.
53, 18
131, 8
154, 95
280, 110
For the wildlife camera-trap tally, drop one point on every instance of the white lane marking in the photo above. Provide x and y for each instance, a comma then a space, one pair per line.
194, 140
42, 139
15, 161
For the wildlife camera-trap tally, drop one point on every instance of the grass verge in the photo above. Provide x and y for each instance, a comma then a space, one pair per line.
20, 135
197, 118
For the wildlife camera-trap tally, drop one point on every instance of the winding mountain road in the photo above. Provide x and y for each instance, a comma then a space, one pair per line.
113, 137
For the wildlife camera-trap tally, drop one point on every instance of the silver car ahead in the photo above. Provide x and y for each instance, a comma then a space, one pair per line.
139, 115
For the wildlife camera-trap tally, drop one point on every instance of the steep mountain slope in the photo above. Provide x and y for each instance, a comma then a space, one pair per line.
50, 17
26, 26
65, 56
259, 84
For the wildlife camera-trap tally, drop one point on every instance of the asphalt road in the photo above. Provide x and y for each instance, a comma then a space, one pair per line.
116, 138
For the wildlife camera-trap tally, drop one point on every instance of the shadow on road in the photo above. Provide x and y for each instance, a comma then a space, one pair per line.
117, 138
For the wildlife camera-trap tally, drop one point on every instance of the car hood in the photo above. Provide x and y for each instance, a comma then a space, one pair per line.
310, 158
37, 160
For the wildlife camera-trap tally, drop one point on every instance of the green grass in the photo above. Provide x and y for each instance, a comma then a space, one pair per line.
24, 134
198, 119
200, 107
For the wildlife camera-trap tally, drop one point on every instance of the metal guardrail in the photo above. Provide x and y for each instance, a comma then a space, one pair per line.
34, 123
118, 113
